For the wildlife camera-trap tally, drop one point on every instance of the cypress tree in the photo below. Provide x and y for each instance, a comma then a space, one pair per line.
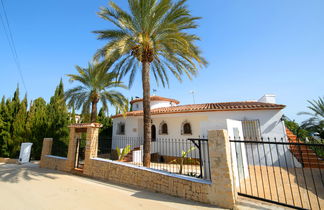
19, 134
105, 133
85, 115
72, 118
58, 114
37, 126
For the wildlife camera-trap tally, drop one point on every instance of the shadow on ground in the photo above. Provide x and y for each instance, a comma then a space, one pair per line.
149, 195
14, 173
168, 198
245, 203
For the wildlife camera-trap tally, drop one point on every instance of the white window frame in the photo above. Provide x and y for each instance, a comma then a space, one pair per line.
251, 130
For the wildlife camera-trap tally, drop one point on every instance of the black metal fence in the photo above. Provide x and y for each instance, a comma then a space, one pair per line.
280, 171
60, 147
179, 156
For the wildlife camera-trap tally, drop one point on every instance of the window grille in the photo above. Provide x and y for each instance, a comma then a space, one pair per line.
186, 128
121, 129
251, 129
163, 128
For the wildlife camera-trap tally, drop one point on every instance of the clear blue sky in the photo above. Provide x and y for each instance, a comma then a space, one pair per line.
253, 47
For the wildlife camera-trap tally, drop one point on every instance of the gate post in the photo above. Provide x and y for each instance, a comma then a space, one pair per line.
222, 192
91, 145
76, 130
46, 150
72, 148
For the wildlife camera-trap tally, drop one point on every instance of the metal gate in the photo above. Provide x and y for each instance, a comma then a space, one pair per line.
80, 153
281, 172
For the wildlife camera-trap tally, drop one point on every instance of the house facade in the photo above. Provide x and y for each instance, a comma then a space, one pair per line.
247, 119
259, 120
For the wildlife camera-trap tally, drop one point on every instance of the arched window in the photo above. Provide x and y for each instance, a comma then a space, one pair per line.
153, 132
121, 128
163, 128
186, 128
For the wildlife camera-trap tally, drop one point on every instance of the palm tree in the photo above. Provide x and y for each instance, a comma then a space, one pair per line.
96, 85
152, 37
315, 124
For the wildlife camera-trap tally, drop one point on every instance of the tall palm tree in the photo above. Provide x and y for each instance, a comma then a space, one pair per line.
315, 124
153, 36
96, 85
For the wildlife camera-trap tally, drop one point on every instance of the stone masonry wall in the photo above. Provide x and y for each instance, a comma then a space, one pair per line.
218, 191
54, 162
119, 172
49, 161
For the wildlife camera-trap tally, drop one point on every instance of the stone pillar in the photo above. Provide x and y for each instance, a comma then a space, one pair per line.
76, 130
91, 146
47, 149
71, 150
222, 192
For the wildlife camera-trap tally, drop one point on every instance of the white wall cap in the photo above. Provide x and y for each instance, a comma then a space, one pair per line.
268, 98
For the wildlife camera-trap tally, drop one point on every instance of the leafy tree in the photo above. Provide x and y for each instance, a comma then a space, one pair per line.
19, 126
155, 37
96, 85
296, 129
105, 133
315, 124
37, 126
12, 112
106, 130
5, 137
72, 117
58, 116
131, 105
85, 116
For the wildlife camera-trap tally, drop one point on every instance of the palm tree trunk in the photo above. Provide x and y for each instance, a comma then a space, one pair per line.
94, 111
147, 113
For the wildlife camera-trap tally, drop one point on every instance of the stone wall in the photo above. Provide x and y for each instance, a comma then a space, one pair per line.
8, 160
54, 162
49, 161
218, 191
150, 179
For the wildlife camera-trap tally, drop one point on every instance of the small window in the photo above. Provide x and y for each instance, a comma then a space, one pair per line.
186, 128
163, 128
121, 129
251, 130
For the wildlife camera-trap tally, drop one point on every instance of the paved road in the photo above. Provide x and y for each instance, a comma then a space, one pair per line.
30, 187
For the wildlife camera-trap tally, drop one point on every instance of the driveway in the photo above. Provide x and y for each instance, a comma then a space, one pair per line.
31, 187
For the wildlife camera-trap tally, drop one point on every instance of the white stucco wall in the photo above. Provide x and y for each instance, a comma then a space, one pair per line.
154, 105
270, 125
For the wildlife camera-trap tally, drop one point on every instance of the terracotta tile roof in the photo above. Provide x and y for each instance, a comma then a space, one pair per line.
156, 98
209, 107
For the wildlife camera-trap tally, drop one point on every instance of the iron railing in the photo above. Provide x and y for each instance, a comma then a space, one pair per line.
60, 147
280, 171
179, 156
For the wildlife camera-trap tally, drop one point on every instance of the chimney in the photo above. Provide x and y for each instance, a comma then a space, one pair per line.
268, 98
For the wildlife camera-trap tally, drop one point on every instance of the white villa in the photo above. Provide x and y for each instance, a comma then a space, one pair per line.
249, 119
246, 120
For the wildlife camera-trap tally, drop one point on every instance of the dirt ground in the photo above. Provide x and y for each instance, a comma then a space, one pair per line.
30, 187
294, 186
